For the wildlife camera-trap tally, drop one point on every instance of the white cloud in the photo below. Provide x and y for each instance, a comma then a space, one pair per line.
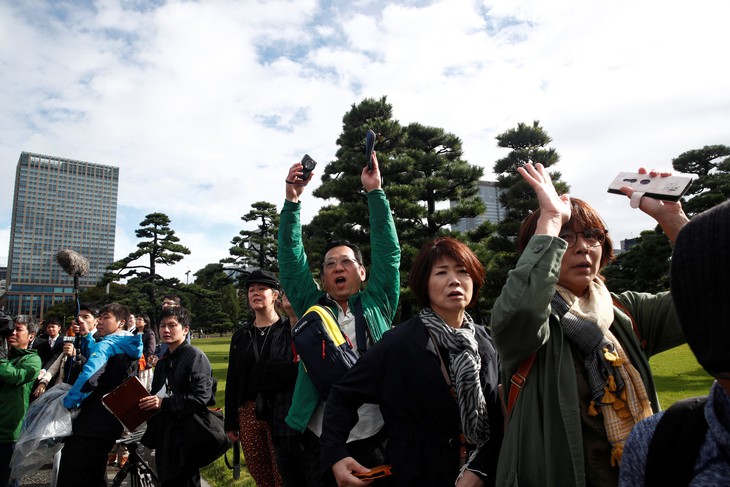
204, 105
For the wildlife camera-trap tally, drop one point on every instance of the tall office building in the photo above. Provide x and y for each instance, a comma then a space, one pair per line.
58, 204
489, 194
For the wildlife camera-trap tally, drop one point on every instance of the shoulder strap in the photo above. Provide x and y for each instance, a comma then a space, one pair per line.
518, 380
676, 443
626, 311
361, 327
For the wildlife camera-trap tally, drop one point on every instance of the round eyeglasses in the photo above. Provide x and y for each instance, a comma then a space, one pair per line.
593, 237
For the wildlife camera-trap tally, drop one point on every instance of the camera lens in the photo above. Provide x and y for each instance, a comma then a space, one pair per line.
645, 181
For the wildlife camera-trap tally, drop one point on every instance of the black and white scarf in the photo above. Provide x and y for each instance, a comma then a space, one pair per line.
464, 367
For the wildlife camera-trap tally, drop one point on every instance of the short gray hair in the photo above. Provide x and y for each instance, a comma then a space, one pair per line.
31, 324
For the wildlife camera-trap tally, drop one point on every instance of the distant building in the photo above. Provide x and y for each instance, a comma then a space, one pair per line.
58, 204
626, 244
489, 194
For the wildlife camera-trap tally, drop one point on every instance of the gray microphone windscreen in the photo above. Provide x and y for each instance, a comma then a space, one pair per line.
72, 262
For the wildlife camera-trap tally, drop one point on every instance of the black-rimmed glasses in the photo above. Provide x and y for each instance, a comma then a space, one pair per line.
593, 237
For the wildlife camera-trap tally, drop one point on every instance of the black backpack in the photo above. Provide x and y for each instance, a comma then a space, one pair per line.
676, 443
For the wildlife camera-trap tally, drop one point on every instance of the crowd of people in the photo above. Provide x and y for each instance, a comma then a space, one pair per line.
556, 391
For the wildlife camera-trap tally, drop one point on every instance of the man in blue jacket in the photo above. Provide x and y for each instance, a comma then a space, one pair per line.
342, 275
95, 430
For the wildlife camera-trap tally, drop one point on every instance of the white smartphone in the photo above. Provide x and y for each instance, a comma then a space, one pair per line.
668, 188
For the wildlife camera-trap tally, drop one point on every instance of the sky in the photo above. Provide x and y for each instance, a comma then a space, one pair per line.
204, 105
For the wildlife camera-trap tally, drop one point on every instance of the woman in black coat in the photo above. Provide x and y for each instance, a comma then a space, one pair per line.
435, 378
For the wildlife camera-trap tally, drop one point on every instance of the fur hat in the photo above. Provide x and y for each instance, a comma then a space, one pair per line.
700, 282
265, 277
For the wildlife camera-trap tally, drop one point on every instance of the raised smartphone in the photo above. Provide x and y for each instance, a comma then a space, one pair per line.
369, 146
309, 165
669, 188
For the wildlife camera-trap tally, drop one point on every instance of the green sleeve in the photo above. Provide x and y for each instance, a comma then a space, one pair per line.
20, 372
297, 281
384, 281
521, 313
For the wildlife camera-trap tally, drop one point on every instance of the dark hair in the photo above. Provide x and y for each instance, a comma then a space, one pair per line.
179, 313
120, 312
437, 249
172, 297
144, 317
340, 243
582, 217
52, 321
90, 308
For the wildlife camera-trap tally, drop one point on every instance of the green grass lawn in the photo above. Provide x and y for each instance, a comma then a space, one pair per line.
676, 372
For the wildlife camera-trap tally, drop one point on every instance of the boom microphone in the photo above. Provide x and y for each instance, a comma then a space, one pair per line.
72, 262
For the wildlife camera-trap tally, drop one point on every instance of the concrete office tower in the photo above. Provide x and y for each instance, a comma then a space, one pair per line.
489, 194
58, 204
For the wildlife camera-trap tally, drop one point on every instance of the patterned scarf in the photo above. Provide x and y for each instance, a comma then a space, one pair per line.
616, 386
464, 368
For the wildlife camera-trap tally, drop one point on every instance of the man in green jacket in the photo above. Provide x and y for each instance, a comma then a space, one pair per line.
342, 274
18, 370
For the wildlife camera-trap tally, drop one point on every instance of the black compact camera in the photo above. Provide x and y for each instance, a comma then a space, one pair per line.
309, 165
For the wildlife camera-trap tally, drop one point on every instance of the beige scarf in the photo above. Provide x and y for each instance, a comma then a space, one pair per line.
623, 406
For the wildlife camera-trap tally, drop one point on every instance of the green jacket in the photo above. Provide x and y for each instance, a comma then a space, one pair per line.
17, 374
543, 443
379, 299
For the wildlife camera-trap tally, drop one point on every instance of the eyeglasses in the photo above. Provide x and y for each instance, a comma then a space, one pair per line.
346, 263
593, 237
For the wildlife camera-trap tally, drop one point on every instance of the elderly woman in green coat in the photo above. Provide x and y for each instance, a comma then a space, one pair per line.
589, 380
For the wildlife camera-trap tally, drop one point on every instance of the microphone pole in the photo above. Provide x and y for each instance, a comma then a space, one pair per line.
76, 266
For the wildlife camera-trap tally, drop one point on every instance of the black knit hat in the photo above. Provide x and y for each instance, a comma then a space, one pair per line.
701, 286
265, 277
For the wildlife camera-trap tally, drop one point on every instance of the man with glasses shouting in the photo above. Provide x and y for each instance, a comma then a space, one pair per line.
342, 275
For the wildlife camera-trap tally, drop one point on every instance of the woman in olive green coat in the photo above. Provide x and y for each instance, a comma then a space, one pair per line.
590, 381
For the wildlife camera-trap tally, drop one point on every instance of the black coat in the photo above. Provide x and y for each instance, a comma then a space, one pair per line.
421, 417
188, 377
246, 376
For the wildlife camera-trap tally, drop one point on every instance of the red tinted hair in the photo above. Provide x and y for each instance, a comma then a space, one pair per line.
444, 247
582, 217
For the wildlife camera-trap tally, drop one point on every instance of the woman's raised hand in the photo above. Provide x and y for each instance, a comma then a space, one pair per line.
554, 209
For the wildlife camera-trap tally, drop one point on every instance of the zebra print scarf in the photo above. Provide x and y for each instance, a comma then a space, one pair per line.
464, 368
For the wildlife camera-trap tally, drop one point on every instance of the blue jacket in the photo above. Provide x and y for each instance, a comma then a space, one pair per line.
110, 362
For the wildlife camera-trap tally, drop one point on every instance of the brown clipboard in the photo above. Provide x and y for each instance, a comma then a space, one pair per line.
123, 402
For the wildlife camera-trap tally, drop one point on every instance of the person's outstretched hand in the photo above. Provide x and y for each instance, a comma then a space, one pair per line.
554, 209
294, 185
371, 179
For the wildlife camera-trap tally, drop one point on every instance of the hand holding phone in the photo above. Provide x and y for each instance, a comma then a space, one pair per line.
369, 146
667, 188
308, 166
375, 473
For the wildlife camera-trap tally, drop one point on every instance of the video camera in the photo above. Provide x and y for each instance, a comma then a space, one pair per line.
6, 325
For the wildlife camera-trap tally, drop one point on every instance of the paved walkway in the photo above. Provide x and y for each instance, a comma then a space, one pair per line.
42, 478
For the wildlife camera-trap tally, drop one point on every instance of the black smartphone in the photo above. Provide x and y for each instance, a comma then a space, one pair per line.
669, 188
309, 165
369, 146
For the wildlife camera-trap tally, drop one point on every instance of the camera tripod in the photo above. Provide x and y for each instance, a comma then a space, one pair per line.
142, 475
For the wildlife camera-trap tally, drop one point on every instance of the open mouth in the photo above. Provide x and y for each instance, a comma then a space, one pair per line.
340, 280
455, 294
